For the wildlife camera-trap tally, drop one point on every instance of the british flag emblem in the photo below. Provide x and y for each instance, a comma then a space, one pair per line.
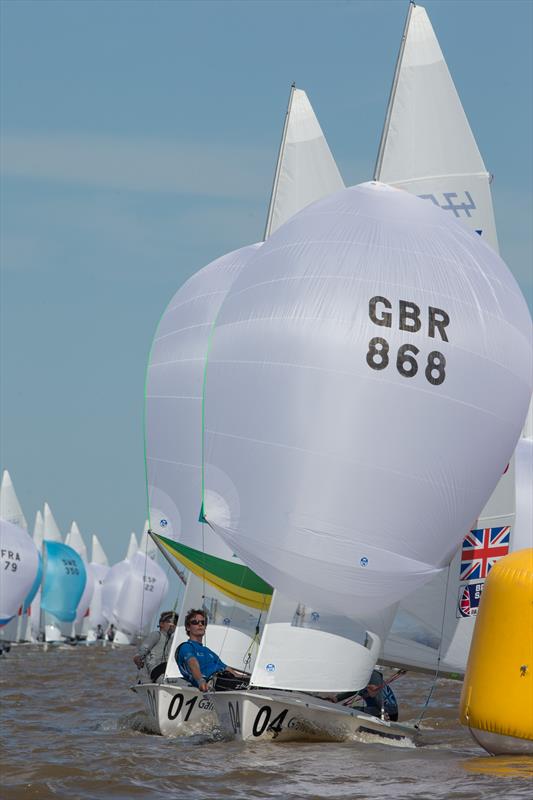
481, 549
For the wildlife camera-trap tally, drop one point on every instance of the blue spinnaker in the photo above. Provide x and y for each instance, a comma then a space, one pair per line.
64, 581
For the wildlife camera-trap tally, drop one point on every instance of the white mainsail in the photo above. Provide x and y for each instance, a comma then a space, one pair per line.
10, 508
98, 552
51, 529
427, 146
306, 169
428, 149
133, 546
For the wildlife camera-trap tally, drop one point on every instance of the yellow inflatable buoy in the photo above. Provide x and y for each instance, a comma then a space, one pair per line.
497, 697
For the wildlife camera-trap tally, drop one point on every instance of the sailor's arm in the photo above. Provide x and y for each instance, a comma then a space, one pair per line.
196, 672
146, 645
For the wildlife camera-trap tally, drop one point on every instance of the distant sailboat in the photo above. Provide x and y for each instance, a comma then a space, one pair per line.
20, 567
75, 540
99, 567
428, 149
235, 598
11, 511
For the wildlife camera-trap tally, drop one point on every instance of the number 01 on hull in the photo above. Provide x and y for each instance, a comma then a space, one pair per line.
176, 709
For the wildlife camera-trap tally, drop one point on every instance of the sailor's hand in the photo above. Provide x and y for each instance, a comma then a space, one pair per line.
202, 686
138, 661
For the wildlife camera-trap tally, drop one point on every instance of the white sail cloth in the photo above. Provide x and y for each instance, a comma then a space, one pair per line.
427, 146
19, 566
98, 573
306, 168
174, 406
10, 508
141, 594
367, 381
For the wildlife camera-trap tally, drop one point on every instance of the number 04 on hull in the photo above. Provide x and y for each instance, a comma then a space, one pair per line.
290, 716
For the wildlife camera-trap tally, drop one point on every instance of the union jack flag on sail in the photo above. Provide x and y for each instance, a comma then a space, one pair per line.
481, 549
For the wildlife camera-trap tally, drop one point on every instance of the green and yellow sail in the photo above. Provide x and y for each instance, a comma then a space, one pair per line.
235, 580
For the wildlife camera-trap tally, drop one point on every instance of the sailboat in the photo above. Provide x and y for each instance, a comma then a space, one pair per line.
342, 402
427, 148
99, 567
74, 539
20, 566
235, 599
11, 511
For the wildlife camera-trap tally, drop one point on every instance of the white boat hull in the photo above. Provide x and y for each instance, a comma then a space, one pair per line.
292, 716
176, 709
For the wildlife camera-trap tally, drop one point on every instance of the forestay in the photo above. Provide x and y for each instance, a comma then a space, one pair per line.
427, 146
347, 394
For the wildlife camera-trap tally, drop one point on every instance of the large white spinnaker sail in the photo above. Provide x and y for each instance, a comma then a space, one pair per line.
428, 149
427, 146
234, 597
343, 511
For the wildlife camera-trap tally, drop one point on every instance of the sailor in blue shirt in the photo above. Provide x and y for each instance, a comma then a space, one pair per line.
196, 662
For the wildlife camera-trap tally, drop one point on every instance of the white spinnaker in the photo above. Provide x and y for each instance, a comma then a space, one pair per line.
352, 472
306, 169
10, 508
19, 565
112, 585
141, 594
427, 146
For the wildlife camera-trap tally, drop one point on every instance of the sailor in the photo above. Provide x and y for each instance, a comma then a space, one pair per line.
111, 633
153, 651
378, 696
198, 664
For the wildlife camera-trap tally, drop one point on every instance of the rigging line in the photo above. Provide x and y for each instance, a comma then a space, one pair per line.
437, 669
256, 638
144, 579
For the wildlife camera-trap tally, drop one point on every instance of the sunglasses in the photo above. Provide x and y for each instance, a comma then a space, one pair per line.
197, 622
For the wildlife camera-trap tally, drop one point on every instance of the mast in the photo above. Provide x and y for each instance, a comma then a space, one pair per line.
385, 131
268, 225
179, 573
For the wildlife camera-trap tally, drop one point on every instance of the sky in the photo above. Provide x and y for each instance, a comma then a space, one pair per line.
138, 143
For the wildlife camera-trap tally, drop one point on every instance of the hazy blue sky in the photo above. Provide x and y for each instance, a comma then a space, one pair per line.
138, 143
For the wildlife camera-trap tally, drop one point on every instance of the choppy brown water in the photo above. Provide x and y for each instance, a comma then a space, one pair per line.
71, 728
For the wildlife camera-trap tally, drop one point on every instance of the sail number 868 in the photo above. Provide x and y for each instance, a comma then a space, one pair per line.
410, 320
378, 358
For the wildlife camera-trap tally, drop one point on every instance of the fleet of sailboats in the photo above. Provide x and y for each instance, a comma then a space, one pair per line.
288, 416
